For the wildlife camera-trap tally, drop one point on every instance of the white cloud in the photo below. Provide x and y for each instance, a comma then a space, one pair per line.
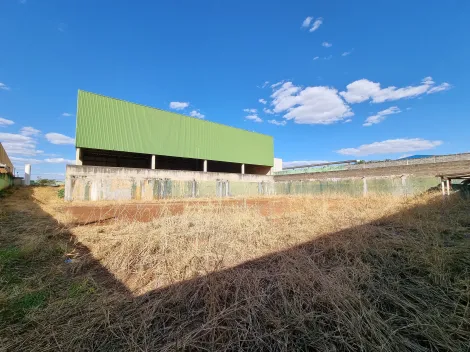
268, 111
363, 89
327, 45
311, 105
5, 122
67, 114
178, 105
254, 118
278, 123
57, 138
3, 86
391, 146
274, 85
348, 120
59, 161
306, 22
442, 87
346, 53
265, 84
195, 113
302, 162
21, 161
262, 101
318, 22
381, 115
250, 111
17, 144
316, 57
29, 131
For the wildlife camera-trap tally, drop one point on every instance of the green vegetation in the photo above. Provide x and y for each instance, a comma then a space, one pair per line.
43, 182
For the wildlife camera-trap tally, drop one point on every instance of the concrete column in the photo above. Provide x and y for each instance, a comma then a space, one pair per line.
205, 166
243, 169
78, 157
443, 187
27, 174
403, 184
448, 187
364, 181
154, 159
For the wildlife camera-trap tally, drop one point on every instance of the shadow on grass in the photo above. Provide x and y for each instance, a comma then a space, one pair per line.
398, 283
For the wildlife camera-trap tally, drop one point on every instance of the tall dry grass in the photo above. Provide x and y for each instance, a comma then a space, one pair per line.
327, 273
213, 237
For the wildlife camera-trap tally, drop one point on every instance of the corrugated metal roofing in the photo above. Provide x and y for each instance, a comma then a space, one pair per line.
112, 124
4, 159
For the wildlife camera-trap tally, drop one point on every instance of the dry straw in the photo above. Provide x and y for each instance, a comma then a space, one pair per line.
330, 273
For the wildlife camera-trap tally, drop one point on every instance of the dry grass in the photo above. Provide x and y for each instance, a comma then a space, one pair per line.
329, 273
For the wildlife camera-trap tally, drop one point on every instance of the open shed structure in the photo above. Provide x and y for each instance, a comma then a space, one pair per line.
116, 133
446, 180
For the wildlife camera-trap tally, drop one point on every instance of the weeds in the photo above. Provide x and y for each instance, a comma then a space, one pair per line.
325, 273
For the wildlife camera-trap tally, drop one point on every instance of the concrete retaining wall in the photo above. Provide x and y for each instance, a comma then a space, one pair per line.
395, 185
6, 180
112, 183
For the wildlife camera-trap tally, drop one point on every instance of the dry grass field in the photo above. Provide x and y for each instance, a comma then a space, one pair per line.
334, 273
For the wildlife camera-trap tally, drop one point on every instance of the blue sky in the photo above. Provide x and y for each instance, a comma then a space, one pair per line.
329, 80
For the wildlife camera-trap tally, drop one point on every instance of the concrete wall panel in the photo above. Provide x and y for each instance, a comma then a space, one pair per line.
108, 183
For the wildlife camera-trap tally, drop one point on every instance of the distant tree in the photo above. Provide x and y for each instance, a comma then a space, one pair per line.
45, 182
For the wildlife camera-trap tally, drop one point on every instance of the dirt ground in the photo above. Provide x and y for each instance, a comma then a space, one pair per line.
145, 212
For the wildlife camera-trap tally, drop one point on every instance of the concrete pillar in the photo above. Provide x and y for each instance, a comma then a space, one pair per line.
448, 187
243, 169
205, 166
154, 164
78, 157
27, 174
443, 187
364, 189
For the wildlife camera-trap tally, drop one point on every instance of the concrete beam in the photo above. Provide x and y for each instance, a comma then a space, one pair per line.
78, 157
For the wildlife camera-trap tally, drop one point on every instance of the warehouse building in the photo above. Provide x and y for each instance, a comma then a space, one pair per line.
130, 151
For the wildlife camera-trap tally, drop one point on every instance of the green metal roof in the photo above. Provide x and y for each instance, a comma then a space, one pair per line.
112, 124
